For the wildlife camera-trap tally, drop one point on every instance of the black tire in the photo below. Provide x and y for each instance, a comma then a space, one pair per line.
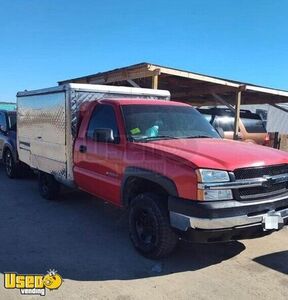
11, 167
149, 226
49, 187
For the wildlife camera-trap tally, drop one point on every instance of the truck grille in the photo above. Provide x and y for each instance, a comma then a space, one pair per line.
261, 191
260, 171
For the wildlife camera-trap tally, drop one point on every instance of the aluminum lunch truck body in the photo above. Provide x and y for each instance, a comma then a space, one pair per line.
48, 119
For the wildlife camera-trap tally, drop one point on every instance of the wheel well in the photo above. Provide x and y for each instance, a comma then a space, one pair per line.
135, 186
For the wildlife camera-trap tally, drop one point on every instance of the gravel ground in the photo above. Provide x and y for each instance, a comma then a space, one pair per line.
86, 240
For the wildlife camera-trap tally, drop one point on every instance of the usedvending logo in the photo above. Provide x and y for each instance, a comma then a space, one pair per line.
33, 284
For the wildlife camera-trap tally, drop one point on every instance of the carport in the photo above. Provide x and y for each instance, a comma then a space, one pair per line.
190, 87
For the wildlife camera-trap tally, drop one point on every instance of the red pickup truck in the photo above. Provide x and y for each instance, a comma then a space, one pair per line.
170, 168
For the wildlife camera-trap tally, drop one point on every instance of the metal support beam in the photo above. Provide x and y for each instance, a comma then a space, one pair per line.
155, 82
133, 83
237, 115
221, 100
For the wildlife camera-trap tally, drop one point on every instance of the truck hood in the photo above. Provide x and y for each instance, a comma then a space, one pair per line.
216, 153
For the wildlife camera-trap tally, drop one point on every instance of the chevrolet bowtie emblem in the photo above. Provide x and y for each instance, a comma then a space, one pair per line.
274, 180
269, 181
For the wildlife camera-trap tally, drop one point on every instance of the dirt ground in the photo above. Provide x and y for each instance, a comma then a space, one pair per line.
86, 240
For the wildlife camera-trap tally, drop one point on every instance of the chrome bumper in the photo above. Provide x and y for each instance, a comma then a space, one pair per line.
183, 222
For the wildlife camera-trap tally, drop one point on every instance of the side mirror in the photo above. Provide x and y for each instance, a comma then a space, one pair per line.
3, 128
220, 131
104, 135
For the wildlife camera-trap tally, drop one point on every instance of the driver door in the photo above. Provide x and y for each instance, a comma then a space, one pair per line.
98, 166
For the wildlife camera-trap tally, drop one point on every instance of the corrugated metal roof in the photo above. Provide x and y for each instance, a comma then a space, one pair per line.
185, 86
147, 65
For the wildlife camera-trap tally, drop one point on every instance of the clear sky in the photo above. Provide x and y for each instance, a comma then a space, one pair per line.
43, 41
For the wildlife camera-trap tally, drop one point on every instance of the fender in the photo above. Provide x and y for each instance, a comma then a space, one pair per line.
166, 183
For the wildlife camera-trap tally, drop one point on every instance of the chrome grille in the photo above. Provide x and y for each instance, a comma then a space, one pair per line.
261, 191
260, 171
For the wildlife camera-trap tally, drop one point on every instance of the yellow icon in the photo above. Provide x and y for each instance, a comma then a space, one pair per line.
52, 280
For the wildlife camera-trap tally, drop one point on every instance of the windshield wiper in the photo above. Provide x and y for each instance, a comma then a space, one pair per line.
158, 137
197, 137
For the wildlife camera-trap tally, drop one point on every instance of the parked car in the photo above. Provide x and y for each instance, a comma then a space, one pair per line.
251, 126
8, 146
159, 159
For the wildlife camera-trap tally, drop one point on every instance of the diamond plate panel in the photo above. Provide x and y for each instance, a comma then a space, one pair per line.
47, 126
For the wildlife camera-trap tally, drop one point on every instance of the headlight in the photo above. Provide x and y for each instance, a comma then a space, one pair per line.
207, 175
212, 176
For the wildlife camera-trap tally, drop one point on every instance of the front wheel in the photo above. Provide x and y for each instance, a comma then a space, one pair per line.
49, 187
149, 226
10, 165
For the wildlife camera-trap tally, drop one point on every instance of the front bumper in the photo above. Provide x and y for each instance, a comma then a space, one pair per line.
227, 220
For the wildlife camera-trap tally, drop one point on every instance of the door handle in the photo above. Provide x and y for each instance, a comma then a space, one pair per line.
82, 148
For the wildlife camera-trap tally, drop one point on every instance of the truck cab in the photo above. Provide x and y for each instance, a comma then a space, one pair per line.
169, 166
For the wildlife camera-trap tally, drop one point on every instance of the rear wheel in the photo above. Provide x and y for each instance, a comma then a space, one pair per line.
149, 226
49, 187
10, 165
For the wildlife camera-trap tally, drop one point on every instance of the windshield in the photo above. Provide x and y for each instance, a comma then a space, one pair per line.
148, 122
12, 121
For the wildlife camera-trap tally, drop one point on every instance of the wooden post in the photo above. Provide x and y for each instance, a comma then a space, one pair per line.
237, 115
155, 82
